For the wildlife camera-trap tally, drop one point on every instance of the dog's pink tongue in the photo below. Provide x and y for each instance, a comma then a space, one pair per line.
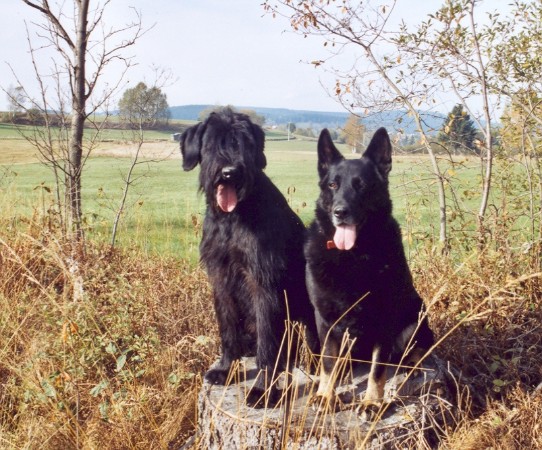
345, 236
226, 197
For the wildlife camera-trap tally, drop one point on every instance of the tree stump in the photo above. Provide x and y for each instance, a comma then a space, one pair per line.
417, 408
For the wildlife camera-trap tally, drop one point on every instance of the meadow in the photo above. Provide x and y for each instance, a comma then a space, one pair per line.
165, 210
119, 365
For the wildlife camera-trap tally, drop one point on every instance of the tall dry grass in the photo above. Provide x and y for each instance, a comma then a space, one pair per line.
121, 368
487, 311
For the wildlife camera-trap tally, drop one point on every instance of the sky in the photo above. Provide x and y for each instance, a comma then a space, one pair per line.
217, 52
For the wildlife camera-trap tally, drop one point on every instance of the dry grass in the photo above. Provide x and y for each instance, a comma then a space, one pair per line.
17, 151
122, 367
487, 310
515, 423
119, 369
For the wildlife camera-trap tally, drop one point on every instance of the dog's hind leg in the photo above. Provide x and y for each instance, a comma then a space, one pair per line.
413, 342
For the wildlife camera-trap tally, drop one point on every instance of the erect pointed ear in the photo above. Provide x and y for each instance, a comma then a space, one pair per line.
259, 139
379, 151
327, 153
191, 141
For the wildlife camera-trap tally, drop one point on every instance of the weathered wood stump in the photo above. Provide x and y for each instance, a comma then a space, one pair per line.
417, 406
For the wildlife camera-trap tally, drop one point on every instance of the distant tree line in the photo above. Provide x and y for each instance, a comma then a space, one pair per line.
139, 106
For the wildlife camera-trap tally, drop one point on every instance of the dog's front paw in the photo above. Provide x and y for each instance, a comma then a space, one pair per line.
263, 398
326, 402
370, 410
217, 376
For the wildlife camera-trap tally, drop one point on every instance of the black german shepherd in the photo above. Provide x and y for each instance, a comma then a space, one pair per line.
357, 273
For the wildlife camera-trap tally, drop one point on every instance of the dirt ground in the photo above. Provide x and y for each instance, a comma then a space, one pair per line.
19, 151
150, 150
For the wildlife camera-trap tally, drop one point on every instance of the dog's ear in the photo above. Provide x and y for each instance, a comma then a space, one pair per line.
379, 151
259, 138
191, 141
327, 153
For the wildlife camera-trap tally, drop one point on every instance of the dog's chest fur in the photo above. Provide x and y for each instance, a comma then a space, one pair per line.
369, 271
363, 266
257, 242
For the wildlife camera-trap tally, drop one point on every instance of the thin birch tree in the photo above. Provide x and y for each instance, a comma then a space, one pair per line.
82, 47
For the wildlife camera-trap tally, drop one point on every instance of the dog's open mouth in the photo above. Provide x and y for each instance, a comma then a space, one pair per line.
226, 197
345, 236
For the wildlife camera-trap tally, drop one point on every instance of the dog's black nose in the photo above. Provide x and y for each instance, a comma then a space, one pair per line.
228, 172
340, 212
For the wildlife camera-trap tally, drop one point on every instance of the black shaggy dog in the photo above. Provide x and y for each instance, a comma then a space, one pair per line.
357, 274
252, 248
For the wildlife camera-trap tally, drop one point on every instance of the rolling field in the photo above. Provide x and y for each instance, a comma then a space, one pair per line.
165, 211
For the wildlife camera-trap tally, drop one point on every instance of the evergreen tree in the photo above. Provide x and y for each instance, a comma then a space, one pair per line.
291, 127
458, 131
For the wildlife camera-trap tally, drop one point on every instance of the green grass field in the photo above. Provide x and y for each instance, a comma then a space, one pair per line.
10, 132
165, 210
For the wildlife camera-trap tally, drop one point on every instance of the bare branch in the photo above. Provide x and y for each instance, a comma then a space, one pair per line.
61, 142
53, 19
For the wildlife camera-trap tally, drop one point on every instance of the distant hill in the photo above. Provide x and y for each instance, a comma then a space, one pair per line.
399, 120
273, 116
393, 120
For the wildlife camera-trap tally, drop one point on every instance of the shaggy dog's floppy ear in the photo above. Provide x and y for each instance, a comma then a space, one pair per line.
327, 153
379, 151
191, 141
259, 138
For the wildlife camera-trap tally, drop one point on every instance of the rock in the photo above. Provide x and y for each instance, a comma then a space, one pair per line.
417, 408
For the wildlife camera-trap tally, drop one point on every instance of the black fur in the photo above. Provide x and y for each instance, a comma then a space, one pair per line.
355, 193
254, 253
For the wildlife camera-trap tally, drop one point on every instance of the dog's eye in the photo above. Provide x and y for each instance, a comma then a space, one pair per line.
333, 185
